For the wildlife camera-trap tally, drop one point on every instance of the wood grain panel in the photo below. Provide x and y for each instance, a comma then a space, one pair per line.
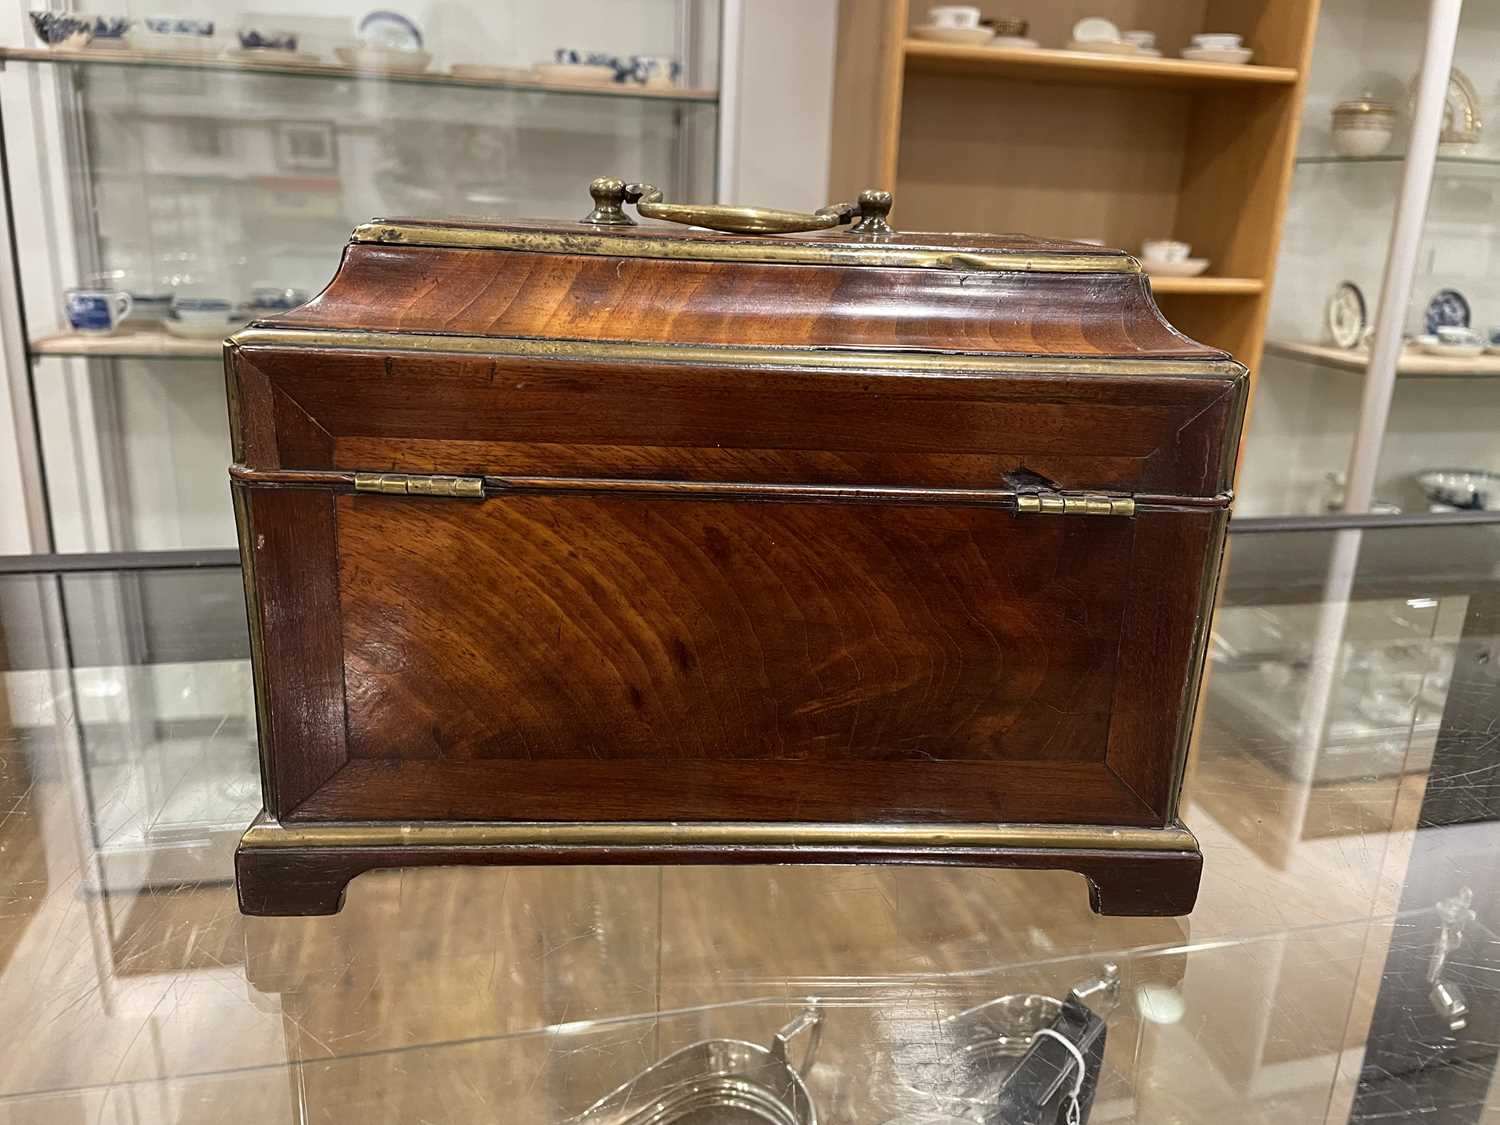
293, 555
591, 297
1096, 431
581, 627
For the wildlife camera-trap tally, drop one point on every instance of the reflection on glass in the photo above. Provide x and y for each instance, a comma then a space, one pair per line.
1331, 955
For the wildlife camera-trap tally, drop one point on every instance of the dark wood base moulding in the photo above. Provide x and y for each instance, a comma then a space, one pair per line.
304, 869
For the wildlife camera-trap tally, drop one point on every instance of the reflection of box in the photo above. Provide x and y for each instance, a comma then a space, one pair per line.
609, 542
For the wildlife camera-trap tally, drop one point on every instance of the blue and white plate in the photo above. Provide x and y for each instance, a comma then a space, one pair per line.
389, 31
1448, 309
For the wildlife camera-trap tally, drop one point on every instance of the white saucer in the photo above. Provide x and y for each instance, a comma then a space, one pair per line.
973, 36
1232, 56
1188, 267
383, 60
1015, 42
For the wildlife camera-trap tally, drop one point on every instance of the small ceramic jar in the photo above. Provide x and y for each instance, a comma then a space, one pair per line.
1363, 126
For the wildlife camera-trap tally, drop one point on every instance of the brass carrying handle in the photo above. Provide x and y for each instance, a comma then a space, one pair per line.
867, 216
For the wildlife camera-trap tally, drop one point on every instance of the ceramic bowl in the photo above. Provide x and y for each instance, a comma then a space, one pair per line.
1095, 29
652, 70
109, 31
60, 29
150, 308
179, 25
1218, 39
573, 56
1475, 490
954, 15
1188, 267
1361, 138
202, 318
383, 60
258, 39
1464, 348
1165, 250
1010, 27
175, 35
973, 36
274, 299
1233, 56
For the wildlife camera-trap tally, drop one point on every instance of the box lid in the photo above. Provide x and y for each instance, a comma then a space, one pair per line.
607, 277
967, 357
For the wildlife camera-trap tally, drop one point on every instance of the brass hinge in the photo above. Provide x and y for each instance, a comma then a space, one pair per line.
1074, 504
403, 484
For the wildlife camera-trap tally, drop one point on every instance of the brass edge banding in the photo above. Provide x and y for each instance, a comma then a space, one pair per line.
266, 833
890, 255
840, 359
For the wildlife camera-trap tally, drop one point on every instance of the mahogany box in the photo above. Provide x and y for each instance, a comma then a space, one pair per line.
634, 542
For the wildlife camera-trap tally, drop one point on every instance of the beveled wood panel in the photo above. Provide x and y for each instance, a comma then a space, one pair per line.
1165, 434
592, 297
289, 544
1171, 585
695, 790
552, 628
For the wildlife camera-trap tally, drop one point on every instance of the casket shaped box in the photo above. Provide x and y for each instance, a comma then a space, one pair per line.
635, 542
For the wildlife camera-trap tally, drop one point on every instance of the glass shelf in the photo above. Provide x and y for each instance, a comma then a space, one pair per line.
1450, 163
1411, 363
335, 70
129, 342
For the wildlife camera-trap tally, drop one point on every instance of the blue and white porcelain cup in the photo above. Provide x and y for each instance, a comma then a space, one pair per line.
654, 70
96, 312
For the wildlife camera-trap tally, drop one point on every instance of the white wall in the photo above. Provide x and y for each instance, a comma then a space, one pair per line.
784, 107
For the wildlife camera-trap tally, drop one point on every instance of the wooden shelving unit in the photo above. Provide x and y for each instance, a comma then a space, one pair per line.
1044, 65
1071, 145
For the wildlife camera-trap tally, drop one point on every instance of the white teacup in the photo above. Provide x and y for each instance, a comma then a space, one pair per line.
1165, 250
953, 15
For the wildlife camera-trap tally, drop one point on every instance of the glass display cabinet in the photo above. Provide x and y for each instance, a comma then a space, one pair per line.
201, 170
1391, 239
190, 182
